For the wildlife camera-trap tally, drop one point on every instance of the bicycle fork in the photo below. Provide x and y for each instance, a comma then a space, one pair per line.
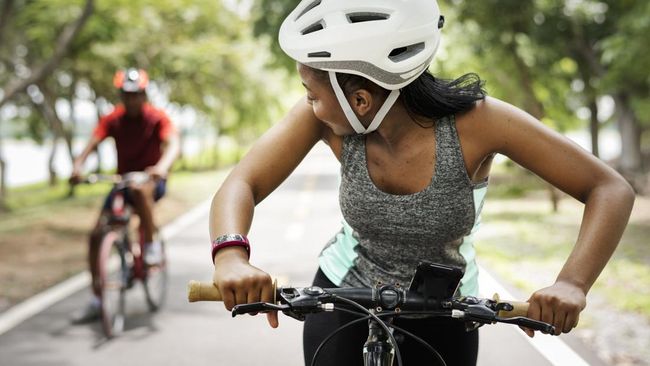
377, 351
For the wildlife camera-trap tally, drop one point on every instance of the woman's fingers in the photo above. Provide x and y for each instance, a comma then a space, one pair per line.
559, 305
228, 298
559, 320
268, 295
570, 322
272, 317
547, 314
244, 285
534, 312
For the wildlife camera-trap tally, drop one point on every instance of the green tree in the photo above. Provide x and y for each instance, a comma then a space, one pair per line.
201, 55
583, 39
624, 60
268, 16
28, 55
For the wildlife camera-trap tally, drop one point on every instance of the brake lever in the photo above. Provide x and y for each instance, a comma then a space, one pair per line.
528, 323
256, 307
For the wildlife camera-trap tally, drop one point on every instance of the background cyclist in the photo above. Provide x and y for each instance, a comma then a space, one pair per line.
145, 140
415, 154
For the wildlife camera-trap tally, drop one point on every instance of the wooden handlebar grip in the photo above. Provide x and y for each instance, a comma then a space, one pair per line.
202, 291
520, 309
207, 291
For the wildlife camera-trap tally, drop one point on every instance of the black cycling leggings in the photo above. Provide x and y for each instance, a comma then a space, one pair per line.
447, 336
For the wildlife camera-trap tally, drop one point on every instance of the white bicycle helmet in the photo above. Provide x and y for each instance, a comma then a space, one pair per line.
390, 42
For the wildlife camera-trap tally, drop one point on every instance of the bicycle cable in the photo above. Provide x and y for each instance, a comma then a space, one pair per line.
379, 321
364, 317
422, 341
336, 331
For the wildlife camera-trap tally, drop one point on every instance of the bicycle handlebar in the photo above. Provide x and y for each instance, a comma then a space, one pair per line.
296, 302
207, 291
121, 180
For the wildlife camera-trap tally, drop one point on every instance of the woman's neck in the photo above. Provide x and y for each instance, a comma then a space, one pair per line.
398, 128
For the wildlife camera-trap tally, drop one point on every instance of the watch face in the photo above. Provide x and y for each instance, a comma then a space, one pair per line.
231, 237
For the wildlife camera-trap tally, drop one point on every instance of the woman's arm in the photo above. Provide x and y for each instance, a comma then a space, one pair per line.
273, 157
608, 200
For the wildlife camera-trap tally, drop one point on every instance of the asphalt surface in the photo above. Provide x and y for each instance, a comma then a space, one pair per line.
289, 230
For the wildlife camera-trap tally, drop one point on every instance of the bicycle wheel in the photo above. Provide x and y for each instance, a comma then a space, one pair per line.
155, 281
113, 272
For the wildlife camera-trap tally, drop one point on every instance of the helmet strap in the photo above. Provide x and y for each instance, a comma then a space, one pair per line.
352, 117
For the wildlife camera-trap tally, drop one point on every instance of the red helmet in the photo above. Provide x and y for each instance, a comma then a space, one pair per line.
131, 80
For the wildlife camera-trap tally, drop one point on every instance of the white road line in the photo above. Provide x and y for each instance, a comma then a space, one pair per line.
39, 302
551, 347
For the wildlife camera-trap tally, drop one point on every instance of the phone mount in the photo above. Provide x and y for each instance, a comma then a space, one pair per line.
436, 281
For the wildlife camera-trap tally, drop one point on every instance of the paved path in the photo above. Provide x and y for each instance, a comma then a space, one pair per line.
290, 228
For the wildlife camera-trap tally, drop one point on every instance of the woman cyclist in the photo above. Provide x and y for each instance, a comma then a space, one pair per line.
415, 154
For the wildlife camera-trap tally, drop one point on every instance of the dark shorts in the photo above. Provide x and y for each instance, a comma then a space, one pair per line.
158, 193
448, 336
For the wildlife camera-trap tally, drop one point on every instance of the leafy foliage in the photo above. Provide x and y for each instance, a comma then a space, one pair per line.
201, 54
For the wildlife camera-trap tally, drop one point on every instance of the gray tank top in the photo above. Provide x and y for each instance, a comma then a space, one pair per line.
393, 233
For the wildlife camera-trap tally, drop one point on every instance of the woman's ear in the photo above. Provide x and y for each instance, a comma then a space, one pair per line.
361, 101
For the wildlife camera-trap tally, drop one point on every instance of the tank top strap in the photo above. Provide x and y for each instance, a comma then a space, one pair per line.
448, 151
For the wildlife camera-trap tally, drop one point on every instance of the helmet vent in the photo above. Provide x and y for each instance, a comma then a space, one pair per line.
319, 54
366, 17
313, 28
403, 53
308, 8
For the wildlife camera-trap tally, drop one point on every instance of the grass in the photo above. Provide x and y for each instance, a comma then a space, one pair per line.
527, 244
43, 235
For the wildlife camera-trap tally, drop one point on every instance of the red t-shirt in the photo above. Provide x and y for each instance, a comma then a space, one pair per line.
138, 141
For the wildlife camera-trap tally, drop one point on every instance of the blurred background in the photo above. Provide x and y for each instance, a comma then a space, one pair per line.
579, 66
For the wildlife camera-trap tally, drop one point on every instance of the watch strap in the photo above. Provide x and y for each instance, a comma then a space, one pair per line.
229, 240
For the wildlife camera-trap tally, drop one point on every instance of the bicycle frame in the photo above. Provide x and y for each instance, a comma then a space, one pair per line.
119, 217
116, 242
118, 222
378, 350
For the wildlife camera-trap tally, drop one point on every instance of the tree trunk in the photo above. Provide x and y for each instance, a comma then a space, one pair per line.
5, 14
534, 107
630, 163
3, 178
47, 109
40, 72
49, 103
3, 184
181, 155
71, 131
100, 161
594, 127
50, 162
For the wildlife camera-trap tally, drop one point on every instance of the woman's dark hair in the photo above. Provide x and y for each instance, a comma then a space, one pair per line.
430, 97
427, 96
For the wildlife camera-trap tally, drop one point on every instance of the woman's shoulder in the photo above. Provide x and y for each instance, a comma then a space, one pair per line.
488, 110
489, 124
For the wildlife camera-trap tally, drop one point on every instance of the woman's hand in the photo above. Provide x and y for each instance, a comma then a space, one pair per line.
559, 305
241, 283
